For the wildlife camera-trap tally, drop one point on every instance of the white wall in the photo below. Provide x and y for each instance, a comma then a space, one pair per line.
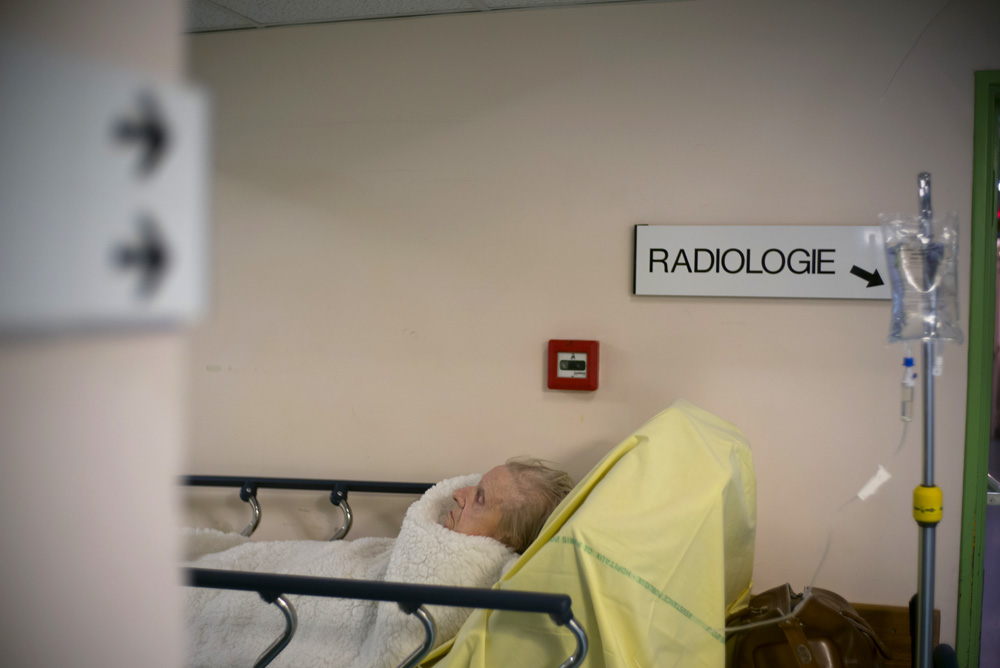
92, 429
407, 210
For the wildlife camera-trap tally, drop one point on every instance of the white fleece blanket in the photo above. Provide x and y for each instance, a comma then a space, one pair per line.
232, 628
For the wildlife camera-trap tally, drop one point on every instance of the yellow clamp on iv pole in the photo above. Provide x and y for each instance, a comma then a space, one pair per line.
927, 505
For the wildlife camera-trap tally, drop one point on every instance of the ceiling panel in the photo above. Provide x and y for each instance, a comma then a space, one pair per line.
213, 15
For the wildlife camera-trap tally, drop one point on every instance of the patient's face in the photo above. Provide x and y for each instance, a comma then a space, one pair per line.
477, 510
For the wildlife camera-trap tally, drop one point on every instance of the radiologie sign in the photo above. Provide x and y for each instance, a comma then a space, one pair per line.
823, 262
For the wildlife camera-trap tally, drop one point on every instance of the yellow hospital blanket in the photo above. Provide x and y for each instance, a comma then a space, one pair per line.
653, 546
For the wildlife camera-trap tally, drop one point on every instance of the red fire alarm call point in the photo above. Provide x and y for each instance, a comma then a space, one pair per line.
573, 365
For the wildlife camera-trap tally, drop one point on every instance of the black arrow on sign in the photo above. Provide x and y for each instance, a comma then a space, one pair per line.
874, 280
148, 130
149, 256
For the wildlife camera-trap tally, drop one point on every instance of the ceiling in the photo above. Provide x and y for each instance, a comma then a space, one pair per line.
214, 15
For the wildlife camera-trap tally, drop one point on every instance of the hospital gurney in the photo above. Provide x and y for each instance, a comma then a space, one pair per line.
653, 547
330, 629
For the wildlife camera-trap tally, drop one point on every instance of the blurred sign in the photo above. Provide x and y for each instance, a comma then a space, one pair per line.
103, 196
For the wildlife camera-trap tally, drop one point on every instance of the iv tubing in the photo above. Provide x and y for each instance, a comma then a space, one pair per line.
909, 381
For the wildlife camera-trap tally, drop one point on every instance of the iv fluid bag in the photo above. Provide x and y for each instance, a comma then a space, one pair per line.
923, 270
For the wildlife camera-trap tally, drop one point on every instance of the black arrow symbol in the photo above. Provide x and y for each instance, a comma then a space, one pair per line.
149, 256
874, 280
148, 130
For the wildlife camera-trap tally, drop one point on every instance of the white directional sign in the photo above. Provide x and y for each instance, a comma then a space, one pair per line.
103, 195
829, 262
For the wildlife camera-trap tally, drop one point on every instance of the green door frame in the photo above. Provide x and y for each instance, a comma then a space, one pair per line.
982, 302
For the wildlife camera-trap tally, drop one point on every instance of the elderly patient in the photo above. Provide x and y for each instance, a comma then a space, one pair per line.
510, 503
464, 531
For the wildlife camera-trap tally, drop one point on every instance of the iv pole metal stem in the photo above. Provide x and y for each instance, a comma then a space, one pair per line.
925, 564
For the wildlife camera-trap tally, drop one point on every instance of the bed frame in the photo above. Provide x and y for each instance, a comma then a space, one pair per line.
338, 490
411, 598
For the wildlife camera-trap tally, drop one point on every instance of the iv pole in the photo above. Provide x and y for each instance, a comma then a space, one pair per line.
927, 498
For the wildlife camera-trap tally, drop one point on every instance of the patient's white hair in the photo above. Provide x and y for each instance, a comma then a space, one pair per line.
543, 488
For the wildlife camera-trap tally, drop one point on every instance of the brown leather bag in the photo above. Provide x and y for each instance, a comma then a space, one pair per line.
826, 632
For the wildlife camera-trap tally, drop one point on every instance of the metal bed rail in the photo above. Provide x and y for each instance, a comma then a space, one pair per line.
338, 492
411, 599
